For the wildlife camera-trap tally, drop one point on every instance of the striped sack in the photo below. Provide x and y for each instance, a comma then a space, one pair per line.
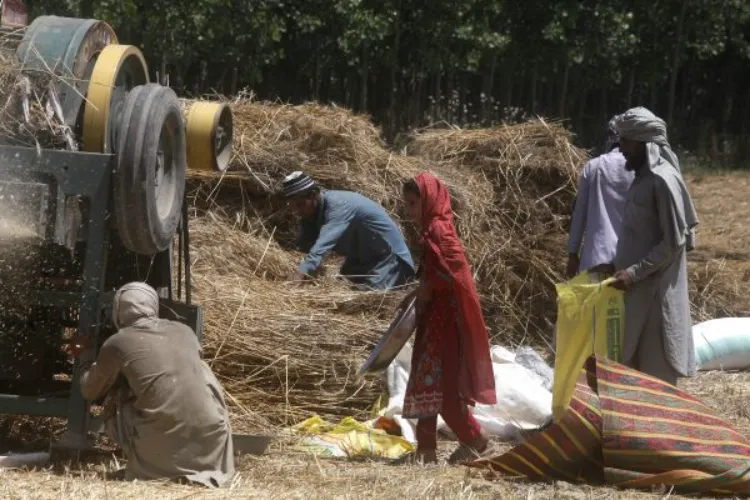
627, 429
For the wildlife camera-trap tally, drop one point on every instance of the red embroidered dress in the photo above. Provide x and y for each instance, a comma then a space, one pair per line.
451, 350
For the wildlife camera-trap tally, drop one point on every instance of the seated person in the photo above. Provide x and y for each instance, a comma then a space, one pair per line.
164, 406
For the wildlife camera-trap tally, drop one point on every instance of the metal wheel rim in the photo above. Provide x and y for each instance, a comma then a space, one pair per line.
165, 171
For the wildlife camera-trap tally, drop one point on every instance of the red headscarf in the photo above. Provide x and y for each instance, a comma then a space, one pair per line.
477, 381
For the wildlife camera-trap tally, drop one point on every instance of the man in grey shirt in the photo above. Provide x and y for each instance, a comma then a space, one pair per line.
599, 208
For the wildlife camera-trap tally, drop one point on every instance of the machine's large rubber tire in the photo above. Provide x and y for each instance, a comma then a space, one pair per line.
149, 181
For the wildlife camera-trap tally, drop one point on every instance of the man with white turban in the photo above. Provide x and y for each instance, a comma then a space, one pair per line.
351, 225
164, 406
651, 263
597, 215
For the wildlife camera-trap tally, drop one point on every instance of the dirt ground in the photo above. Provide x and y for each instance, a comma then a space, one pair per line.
722, 206
723, 244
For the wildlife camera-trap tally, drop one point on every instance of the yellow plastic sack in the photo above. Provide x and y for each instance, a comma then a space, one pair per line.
590, 320
350, 438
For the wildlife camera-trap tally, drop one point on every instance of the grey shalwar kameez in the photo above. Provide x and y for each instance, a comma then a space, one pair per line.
658, 230
165, 407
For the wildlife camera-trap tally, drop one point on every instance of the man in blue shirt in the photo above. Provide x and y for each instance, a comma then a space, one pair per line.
353, 226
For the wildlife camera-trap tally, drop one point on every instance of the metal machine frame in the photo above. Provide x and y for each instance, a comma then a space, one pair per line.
89, 176
83, 51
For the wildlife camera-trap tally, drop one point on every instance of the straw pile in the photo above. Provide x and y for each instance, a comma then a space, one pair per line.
340, 149
30, 111
282, 352
718, 288
335, 146
285, 352
293, 351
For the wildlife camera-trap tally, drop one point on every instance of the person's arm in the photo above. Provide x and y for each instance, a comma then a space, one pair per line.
669, 247
438, 279
305, 237
98, 377
338, 218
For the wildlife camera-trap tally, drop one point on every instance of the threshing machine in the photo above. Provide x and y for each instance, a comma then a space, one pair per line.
106, 209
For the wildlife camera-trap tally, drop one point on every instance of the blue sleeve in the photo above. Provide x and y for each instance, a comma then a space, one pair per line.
338, 217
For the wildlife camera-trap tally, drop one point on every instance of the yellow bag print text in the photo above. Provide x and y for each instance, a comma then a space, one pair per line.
590, 320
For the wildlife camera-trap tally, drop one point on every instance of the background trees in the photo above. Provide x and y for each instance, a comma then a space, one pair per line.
412, 62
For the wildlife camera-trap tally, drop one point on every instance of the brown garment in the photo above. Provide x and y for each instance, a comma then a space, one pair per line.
171, 419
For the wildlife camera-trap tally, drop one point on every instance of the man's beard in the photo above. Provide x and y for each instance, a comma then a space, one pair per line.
633, 164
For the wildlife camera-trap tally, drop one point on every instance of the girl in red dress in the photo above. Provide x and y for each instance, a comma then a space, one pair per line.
451, 366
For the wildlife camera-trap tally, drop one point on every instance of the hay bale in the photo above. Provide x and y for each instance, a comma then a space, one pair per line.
30, 114
282, 352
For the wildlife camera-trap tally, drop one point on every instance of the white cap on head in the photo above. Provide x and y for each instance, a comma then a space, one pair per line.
296, 183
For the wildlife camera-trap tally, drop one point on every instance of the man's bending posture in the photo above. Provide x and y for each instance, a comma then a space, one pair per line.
164, 406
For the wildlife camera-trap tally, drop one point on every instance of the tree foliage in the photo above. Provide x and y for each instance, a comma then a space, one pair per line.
473, 61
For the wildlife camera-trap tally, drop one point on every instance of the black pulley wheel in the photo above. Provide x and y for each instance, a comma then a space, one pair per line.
149, 182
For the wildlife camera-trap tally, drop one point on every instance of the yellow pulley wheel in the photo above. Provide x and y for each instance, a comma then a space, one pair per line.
209, 136
118, 69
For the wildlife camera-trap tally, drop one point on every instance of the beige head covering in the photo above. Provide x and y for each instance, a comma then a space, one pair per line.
133, 302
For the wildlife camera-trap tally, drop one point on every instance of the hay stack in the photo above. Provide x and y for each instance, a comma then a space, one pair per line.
282, 352
226, 249
518, 249
340, 149
337, 147
719, 284
30, 114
